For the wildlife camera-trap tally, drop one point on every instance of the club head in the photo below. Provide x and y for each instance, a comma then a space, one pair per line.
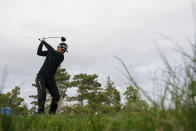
63, 39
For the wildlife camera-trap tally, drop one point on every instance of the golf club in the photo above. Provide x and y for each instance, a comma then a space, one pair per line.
63, 39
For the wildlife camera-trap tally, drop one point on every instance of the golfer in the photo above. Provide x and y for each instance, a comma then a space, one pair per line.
45, 77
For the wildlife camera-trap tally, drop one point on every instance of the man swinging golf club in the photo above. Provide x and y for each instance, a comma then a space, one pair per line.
45, 77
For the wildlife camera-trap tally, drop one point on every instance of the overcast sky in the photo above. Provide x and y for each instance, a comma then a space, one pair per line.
96, 30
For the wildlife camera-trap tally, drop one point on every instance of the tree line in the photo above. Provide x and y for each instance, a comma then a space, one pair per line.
91, 96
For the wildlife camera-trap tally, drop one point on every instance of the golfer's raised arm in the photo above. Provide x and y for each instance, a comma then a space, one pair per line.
50, 48
40, 52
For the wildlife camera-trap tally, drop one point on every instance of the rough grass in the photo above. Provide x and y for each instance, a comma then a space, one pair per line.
149, 120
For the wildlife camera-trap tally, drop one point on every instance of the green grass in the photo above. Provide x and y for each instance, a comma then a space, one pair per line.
148, 120
83, 122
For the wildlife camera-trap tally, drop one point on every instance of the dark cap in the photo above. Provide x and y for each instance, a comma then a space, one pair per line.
63, 46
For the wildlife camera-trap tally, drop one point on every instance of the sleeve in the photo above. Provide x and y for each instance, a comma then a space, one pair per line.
49, 47
40, 52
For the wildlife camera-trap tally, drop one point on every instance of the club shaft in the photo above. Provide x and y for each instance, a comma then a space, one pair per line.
52, 37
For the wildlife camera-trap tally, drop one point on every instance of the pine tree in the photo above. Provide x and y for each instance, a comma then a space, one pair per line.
14, 101
134, 102
88, 92
112, 96
131, 94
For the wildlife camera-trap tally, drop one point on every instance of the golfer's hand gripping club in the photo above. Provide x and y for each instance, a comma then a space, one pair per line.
41, 39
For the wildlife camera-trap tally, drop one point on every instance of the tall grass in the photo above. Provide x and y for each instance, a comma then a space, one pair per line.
176, 107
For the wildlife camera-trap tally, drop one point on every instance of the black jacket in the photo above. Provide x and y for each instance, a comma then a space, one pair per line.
52, 61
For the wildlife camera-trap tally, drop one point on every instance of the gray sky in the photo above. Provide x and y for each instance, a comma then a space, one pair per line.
96, 30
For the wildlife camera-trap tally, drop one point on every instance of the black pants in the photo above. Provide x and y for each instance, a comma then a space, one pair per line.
43, 84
